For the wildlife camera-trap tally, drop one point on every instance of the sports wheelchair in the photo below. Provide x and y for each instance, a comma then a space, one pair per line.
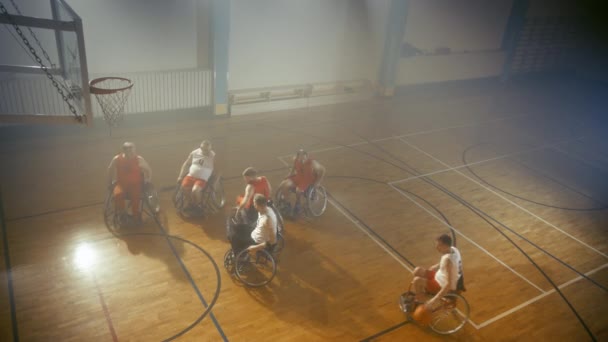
149, 204
315, 202
213, 198
259, 269
449, 316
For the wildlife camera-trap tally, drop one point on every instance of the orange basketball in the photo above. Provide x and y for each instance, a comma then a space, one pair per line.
422, 315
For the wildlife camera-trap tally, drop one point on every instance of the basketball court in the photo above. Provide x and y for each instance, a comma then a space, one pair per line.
514, 172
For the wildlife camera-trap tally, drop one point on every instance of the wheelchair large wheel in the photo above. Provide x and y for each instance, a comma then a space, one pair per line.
282, 204
218, 199
110, 217
152, 203
178, 197
451, 315
316, 201
278, 247
255, 271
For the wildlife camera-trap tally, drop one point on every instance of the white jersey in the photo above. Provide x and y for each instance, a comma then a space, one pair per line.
442, 277
202, 166
266, 228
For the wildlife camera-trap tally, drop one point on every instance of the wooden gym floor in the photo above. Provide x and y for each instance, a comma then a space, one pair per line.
528, 161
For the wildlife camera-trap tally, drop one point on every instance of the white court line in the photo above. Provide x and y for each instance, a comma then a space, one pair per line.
434, 130
360, 226
510, 201
467, 238
537, 298
593, 164
484, 161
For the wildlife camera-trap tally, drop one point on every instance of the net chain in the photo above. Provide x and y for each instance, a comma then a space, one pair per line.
46, 55
42, 65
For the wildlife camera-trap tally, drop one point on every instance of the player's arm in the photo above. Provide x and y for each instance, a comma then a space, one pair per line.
246, 198
112, 170
145, 167
292, 169
185, 167
447, 268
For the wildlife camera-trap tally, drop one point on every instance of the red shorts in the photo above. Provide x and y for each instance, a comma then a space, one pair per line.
432, 286
188, 182
301, 183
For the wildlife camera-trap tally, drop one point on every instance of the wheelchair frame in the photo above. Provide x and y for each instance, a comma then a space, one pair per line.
238, 265
148, 203
284, 205
210, 202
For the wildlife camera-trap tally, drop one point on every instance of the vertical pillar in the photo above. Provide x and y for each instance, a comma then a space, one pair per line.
204, 14
515, 24
220, 32
395, 30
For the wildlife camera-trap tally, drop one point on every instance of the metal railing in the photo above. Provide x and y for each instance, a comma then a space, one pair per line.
152, 92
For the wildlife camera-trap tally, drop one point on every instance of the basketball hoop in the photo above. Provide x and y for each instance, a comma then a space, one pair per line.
111, 94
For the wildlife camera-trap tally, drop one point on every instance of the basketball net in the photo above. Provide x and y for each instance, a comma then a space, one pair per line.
111, 94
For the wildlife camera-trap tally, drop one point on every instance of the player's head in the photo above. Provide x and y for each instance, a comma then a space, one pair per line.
259, 202
443, 243
206, 147
249, 174
128, 148
301, 155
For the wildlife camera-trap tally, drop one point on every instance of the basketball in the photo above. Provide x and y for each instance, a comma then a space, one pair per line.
422, 315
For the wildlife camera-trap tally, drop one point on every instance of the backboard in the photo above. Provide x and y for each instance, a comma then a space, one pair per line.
51, 86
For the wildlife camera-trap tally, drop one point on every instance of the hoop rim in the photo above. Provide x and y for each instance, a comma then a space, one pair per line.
105, 91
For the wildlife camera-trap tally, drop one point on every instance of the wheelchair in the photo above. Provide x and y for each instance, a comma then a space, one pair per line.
449, 316
315, 202
260, 269
148, 204
213, 198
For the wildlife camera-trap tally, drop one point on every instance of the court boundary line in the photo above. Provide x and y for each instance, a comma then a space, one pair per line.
381, 245
360, 226
499, 157
508, 200
539, 297
522, 305
434, 130
468, 239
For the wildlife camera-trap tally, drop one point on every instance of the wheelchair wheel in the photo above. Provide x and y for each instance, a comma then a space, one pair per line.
281, 204
218, 199
229, 261
279, 245
316, 201
110, 217
178, 198
255, 271
451, 315
152, 203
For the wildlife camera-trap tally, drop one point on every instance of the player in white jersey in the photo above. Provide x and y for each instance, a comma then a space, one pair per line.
197, 169
441, 278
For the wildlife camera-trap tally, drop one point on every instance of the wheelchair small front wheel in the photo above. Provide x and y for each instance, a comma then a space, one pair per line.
229, 261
